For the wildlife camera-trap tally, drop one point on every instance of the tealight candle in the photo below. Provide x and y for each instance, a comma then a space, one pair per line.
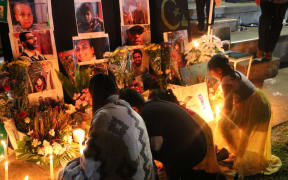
6, 170
51, 168
79, 136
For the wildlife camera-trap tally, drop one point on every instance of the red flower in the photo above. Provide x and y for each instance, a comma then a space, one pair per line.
22, 115
6, 88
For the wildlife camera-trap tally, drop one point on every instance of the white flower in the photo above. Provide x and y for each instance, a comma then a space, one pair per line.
41, 151
35, 142
52, 132
68, 139
48, 150
57, 149
46, 143
27, 120
71, 109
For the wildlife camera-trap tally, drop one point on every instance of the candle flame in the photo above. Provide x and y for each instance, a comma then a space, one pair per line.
51, 157
6, 164
3, 144
196, 44
80, 134
26, 178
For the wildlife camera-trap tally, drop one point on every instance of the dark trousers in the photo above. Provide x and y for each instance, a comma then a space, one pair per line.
270, 25
200, 6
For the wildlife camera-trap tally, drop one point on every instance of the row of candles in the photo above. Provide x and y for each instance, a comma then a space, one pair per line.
79, 136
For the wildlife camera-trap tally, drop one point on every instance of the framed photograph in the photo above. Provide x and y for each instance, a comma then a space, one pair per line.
33, 45
135, 35
89, 16
43, 81
134, 12
90, 49
29, 15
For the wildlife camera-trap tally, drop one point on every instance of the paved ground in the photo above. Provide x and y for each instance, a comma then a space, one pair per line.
277, 91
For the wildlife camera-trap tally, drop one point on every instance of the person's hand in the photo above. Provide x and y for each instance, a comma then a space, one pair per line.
258, 2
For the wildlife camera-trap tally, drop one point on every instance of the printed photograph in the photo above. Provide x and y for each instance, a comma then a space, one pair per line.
43, 80
135, 35
29, 15
90, 50
89, 16
33, 45
135, 12
178, 41
140, 62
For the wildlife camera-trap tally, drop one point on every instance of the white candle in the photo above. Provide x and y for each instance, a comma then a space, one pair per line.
26, 178
79, 136
6, 170
51, 168
5, 150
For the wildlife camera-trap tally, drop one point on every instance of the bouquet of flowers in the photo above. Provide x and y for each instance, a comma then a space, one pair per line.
121, 66
67, 60
49, 133
159, 56
203, 49
154, 53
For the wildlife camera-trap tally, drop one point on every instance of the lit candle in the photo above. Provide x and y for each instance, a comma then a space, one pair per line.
26, 178
5, 150
79, 135
51, 167
196, 44
6, 170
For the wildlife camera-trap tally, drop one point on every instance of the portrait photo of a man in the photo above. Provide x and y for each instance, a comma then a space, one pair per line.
135, 12
89, 17
136, 35
90, 50
26, 15
139, 62
32, 46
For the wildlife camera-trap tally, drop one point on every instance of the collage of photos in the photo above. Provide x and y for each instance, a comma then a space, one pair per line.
135, 22
32, 40
89, 16
179, 43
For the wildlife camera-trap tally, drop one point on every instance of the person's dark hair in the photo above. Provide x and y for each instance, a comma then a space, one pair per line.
101, 87
133, 97
222, 62
114, 163
85, 7
22, 36
43, 81
162, 94
148, 81
89, 40
137, 51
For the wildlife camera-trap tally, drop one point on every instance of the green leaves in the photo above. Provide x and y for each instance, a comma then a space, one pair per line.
81, 81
